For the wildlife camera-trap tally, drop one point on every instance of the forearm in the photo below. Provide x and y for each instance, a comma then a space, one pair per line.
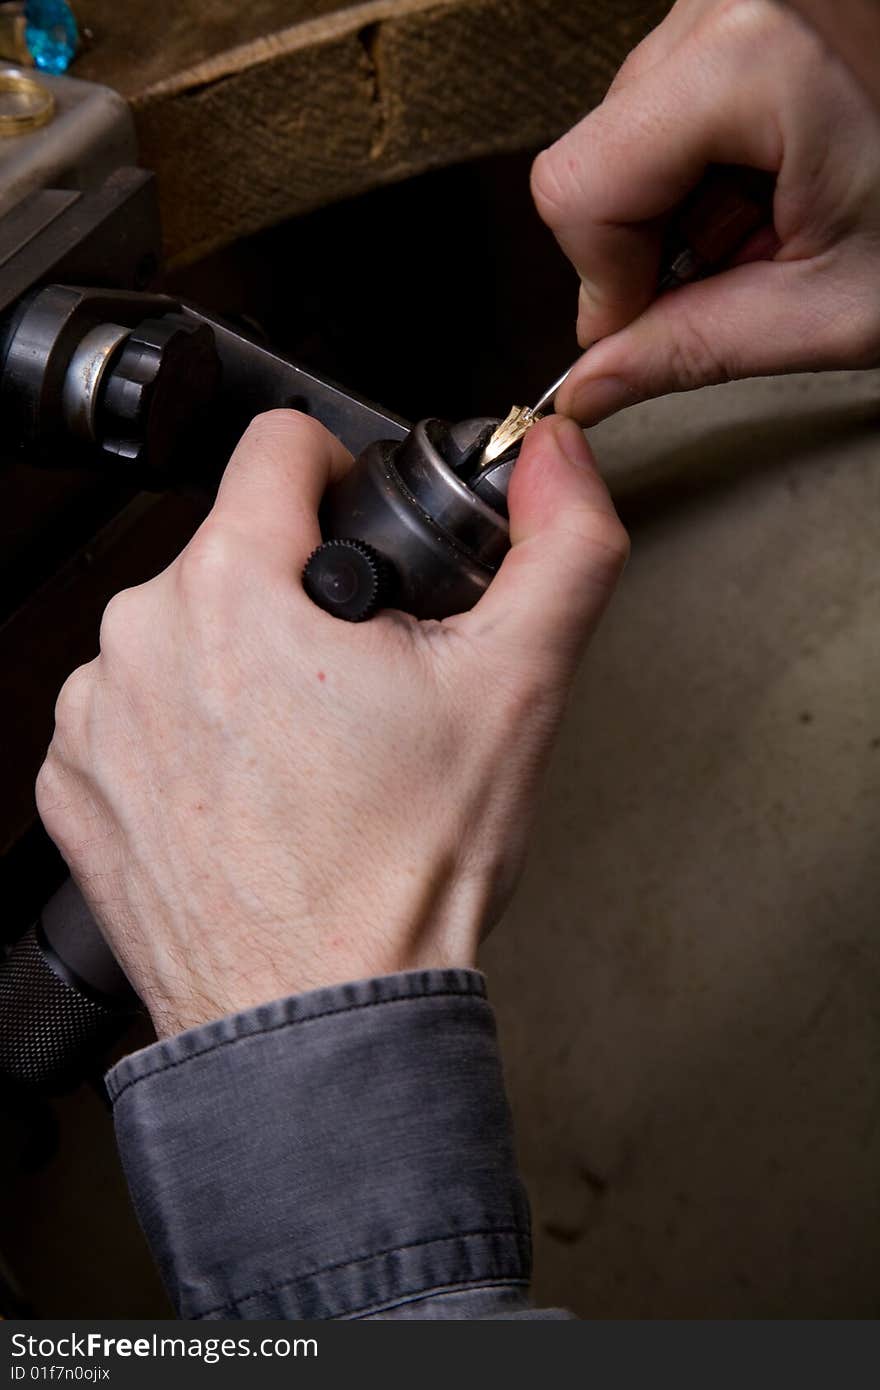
345, 1153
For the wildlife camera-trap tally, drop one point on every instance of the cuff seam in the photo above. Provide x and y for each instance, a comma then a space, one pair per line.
117, 1093
520, 1232
439, 1291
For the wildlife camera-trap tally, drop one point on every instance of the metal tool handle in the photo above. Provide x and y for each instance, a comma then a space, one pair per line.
63, 998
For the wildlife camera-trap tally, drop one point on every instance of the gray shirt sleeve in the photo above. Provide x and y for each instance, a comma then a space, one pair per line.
346, 1153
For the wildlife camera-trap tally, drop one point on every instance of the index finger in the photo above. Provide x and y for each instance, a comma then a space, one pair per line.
607, 187
273, 485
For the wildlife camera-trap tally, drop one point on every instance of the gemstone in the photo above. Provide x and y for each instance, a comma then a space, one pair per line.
50, 34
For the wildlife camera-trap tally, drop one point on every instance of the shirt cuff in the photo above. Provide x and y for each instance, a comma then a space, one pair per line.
329, 1155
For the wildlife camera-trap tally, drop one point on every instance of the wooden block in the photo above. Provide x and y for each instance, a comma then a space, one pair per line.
251, 115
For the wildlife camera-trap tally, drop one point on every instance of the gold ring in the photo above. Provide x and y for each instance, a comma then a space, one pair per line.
40, 106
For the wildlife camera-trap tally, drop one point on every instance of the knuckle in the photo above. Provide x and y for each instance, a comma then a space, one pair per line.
628, 70
575, 183
639, 60
58, 793
269, 423
284, 439
695, 358
609, 543
48, 793
205, 567
747, 19
272, 430
119, 622
73, 700
551, 186
614, 538
742, 28
46, 784
598, 541
52, 790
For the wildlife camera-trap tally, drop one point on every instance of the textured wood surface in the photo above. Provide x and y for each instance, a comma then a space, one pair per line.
252, 114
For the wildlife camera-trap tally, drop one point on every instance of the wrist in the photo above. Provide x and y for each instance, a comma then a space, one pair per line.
216, 995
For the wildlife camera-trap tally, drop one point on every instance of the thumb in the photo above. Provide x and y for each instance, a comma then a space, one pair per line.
759, 319
568, 549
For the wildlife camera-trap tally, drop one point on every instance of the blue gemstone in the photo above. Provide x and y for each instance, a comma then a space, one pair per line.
51, 34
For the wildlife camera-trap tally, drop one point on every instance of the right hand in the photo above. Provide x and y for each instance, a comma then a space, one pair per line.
731, 82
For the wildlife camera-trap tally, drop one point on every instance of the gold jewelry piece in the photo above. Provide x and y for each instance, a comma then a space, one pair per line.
25, 103
509, 432
515, 425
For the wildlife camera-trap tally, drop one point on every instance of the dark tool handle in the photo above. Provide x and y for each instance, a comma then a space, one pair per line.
719, 219
63, 998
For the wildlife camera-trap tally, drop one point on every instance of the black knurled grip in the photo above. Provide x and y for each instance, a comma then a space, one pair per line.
51, 1032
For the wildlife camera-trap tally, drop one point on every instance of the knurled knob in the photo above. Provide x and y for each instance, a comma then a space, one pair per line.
156, 393
348, 579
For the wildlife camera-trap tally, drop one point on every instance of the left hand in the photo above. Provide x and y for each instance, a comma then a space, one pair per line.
257, 799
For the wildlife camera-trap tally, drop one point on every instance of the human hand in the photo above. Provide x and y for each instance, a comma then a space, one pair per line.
852, 29
256, 798
729, 82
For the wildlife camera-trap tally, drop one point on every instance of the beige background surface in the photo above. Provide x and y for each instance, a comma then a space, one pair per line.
689, 978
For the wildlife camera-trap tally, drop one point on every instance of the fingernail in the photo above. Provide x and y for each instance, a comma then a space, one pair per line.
571, 441
592, 400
